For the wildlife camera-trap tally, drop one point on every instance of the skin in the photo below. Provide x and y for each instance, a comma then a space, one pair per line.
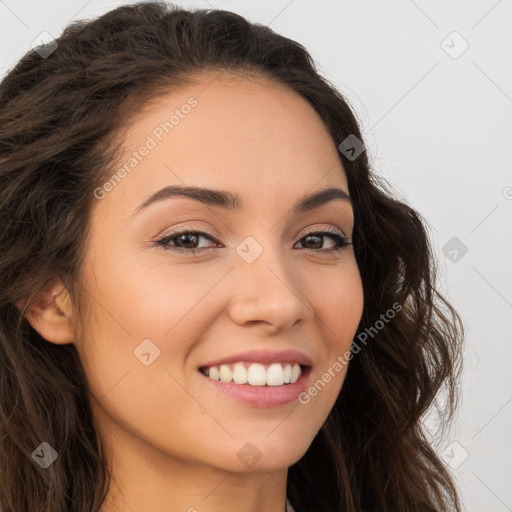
172, 442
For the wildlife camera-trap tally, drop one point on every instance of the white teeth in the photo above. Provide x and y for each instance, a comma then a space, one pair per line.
226, 375
275, 375
295, 373
214, 373
287, 373
239, 374
256, 374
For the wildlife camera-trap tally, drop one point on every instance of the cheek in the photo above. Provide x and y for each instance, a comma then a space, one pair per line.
152, 313
134, 312
336, 296
152, 300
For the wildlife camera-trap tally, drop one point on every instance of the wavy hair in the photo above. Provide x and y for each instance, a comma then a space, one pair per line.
59, 117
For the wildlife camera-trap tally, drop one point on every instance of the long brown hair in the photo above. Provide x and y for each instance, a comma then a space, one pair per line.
59, 113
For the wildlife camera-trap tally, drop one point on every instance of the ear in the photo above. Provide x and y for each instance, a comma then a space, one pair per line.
51, 314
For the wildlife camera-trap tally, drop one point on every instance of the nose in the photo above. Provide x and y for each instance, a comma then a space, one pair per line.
267, 292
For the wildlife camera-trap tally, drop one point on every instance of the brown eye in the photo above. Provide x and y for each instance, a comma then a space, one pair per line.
184, 241
316, 243
315, 240
187, 239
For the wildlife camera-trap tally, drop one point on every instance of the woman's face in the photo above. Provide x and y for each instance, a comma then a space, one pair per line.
258, 284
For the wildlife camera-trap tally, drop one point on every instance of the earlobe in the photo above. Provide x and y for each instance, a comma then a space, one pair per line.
51, 314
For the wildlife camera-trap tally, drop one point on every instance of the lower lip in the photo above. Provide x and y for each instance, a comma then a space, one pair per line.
263, 396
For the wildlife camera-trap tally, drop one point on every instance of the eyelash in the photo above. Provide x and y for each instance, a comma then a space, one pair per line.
341, 241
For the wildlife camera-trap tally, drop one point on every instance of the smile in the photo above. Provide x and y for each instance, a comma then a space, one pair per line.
255, 374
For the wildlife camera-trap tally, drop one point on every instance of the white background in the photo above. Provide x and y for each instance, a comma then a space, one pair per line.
439, 129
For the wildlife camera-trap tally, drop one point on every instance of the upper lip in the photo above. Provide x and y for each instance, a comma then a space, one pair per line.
264, 357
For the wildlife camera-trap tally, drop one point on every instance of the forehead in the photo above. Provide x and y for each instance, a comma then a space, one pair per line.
251, 136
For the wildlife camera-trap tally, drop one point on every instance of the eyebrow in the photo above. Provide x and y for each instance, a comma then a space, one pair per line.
230, 201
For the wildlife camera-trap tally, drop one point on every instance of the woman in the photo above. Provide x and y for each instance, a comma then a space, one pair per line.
208, 300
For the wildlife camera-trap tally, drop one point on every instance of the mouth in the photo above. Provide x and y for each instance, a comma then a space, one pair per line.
255, 374
265, 386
